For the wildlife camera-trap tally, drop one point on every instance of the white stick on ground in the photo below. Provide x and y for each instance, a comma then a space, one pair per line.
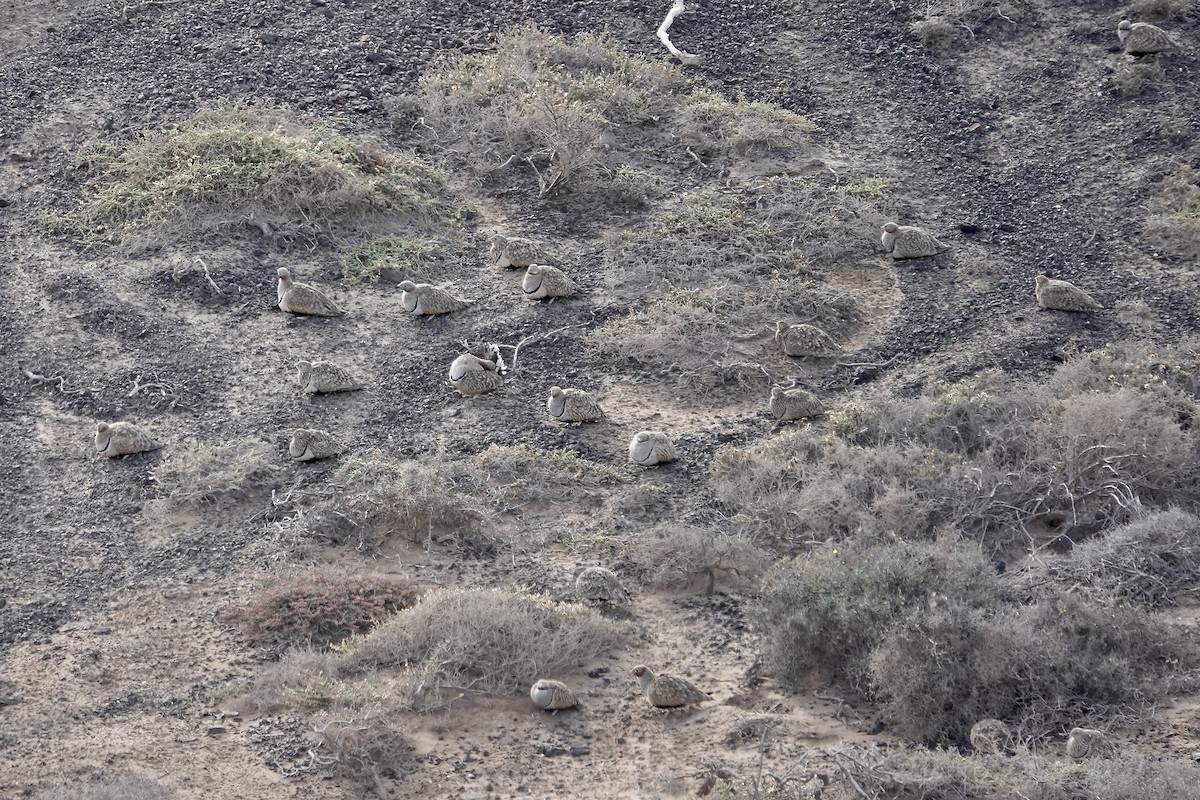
677, 8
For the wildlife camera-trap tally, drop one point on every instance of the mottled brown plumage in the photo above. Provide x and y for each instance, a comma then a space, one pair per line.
649, 448
300, 298
542, 281
552, 695
667, 691
515, 252
906, 241
1142, 38
805, 341
122, 439
1088, 743
427, 300
471, 375
598, 583
320, 377
311, 445
573, 405
991, 737
1062, 295
796, 403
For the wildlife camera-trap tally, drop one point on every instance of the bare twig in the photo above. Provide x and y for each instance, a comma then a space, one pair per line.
837, 759
677, 8
208, 276
62, 383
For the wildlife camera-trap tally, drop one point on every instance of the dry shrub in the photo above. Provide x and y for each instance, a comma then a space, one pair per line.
827, 612
828, 221
1162, 8
375, 498
524, 474
124, 786
1174, 222
234, 166
319, 610
924, 774
303, 678
216, 474
674, 556
490, 639
364, 741
1131, 80
570, 113
799, 489
710, 124
1109, 435
1045, 668
1152, 562
933, 31
547, 105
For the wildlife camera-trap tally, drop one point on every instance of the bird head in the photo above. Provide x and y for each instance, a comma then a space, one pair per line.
891, 227
407, 286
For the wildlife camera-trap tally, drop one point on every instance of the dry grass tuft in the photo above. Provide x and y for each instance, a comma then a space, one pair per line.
715, 268
238, 167
124, 786
1151, 562
365, 741
1174, 223
216, 474
486, 639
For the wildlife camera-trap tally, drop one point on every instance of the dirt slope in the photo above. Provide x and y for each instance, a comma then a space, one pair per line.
107, 636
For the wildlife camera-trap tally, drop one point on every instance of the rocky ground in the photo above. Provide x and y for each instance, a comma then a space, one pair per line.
1017, 141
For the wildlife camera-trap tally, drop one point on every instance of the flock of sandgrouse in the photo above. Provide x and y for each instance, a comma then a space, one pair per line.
472, 374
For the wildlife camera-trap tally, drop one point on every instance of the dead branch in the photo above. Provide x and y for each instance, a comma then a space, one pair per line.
42, 380
677, 8
208, 277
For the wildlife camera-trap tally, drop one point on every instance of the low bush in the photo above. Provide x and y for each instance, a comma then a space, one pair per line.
923, 774
1048, 667
251, 168
1152, 562
675, 556
1106, 437
487, 639
828, 611
571, 115
1174, 221
416, 257
319, 610
216, 474
375, 498
363, 742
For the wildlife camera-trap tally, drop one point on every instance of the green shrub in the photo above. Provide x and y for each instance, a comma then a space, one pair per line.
238, 166
319, 610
